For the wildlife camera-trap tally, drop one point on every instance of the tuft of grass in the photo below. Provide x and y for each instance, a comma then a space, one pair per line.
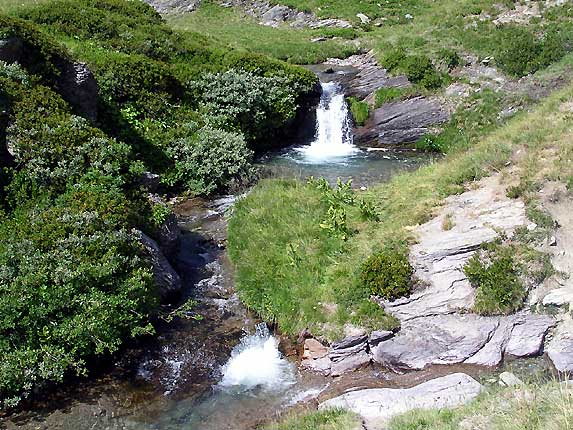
448, 222
387, 95
334, 419
495, 275
359, 109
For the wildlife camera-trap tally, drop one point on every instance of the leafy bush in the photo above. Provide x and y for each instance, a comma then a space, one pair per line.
44, 56
71, 286
418, 68
259, 106
521, 52
494, 273
449, 58
359, 110
387, 273
209, 160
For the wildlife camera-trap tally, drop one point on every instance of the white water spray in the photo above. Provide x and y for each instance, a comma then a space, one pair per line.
333, 128
257, 363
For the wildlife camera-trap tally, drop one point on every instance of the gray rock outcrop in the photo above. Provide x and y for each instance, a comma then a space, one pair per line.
376, 406
401, 122
76, 83
166, 279
560, 348
174, 6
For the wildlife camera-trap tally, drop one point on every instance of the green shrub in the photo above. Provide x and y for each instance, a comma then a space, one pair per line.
420, 70
387, 95
518, 50
359, 110
210, 160
71, 286
494, 274
394, 59
449, 58
43, 55
259, 106
388, 273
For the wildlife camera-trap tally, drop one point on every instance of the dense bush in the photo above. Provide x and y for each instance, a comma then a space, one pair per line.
495, 275
210, 159
259, 106
71, 286
418, 68
387, 273
43, 56
520, 51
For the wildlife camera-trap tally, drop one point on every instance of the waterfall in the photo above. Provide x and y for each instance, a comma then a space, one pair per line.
257, 363
333, 139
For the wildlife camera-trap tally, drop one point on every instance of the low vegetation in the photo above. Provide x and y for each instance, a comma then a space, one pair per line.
535, 406
359, 109
335, 419
388, 273
495, 275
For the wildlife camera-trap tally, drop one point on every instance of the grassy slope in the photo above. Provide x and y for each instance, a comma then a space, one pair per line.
241, 31
534, 407
261, 233
328, 420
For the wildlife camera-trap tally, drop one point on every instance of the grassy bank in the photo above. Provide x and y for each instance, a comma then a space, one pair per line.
234, 28
320, 288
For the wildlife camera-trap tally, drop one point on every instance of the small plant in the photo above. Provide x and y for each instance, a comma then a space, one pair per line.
448, 222
320, 184
368, 211
335, 222
360, 111
388, 273
494, 273
449, 58
343, 192
159, 214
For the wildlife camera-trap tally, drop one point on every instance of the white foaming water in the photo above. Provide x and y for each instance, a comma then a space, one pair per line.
257, 363
333, 128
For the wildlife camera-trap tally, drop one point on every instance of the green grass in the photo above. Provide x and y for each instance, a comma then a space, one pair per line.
387, 95
533, 407
233, 28
335, 419
12, 5
279, 213
360, 110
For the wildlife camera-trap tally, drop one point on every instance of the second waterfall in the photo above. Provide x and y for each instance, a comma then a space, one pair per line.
333, 139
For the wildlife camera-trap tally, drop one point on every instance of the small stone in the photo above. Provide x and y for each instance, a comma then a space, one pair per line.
313, 349
408, 16
508, 379
378, 336
329, 71
363, 18
552, 241
532, 226
320, 39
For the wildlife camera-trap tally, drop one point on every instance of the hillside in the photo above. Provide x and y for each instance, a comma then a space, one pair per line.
118, 119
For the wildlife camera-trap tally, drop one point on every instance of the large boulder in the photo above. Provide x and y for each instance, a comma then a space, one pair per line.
470, 339
401, 122
166, 279
560, 348
79, 88
377, 405
75, 82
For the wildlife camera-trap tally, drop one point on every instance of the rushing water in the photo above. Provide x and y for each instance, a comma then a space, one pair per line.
332, 153
257, 363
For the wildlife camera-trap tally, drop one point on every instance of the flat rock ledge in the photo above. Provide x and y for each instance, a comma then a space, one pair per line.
376, 406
